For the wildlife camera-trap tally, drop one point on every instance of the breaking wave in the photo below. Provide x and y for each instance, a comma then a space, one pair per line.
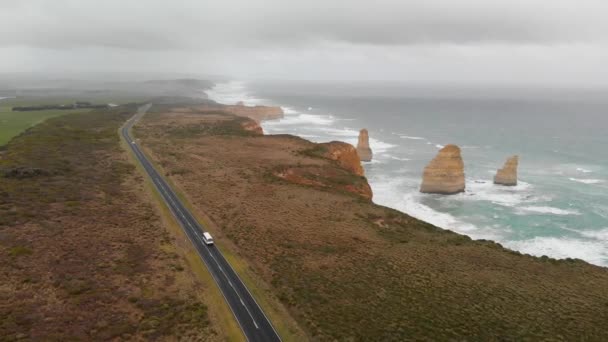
586, 181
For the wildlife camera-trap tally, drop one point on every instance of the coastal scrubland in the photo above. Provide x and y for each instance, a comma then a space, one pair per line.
346, 269
85, 254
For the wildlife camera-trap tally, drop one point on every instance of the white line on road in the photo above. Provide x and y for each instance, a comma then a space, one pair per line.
250, 315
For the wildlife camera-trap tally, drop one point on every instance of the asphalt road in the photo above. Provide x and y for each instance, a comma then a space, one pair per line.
254, 323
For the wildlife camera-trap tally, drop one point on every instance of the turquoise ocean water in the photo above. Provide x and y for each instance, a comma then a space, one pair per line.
560, 207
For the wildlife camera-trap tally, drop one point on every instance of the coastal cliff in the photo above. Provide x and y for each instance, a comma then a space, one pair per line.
326, 178
282, 206
508, 174
445, 173
345, 154
252, 126
257, 113
363, 149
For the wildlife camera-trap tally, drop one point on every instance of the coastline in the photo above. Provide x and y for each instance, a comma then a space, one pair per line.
313, 244
398, 190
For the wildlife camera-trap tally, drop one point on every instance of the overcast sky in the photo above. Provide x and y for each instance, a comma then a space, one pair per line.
559, 42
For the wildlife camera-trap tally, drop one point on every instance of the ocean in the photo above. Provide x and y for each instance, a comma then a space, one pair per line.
559, 208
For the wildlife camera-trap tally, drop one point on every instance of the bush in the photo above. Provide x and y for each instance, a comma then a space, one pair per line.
19, 251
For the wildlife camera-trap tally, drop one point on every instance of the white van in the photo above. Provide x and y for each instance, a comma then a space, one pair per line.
207, 239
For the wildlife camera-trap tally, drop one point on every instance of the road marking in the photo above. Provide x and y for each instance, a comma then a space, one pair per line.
256, 303
177, 210
250, 315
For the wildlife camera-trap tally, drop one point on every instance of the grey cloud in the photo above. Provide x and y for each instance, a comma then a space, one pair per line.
530, 41
199, 24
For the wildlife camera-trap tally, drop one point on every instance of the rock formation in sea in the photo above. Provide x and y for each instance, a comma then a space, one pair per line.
363, 149
345, 154
445, 173
508, 174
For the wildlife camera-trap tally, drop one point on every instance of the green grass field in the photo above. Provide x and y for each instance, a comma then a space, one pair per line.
13, 123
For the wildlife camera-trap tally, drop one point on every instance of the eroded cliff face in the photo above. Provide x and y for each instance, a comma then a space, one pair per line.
345, 154
445, 173
508, 174
252, 126
327, 177
346, 174
363, 149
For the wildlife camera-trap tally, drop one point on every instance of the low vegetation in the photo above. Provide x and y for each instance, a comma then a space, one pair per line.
66, 107
83, 252
349, 270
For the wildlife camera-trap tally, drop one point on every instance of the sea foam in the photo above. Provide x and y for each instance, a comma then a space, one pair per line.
547, 210
594, 252
486, 190
397, 158
596, 234
411, 203
411, 138
586, 181
233, 92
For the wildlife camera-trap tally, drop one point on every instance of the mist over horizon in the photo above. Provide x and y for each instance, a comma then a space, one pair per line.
514, 43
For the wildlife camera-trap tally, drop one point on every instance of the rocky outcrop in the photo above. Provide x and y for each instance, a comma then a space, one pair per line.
345, 154
508, 174
252, 126
445, 173
327, 177
345, 174
363, 149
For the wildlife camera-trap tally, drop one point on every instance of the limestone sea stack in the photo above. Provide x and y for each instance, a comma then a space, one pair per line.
508, 174
445, 173
363, 149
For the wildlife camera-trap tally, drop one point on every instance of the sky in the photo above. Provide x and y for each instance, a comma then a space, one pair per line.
547, 42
